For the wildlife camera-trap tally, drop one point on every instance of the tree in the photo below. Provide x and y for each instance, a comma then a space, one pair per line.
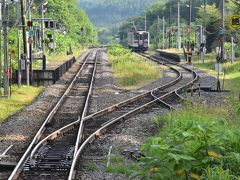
211, 19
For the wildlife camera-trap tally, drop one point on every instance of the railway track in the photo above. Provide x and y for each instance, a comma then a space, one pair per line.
99, 122
59, 150
57, 155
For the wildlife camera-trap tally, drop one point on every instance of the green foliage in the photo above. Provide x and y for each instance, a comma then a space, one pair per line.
118, 50
65, 13
211, 20
238, 109
73, 19
118, 166
130, 69
218, 172
195, 142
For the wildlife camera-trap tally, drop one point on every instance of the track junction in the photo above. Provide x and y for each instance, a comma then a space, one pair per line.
63, 137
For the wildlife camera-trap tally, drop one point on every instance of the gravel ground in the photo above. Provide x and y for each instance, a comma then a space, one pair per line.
21, 127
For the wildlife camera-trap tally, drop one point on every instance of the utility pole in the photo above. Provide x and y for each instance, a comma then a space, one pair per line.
19, 47
5, 34
189, 24
163, 35
0, 48
19, 59
178, 26
158, 38
42, 27
169, 25
30, 40
145, 22
204, 27
223, 28
222, 44
24, 36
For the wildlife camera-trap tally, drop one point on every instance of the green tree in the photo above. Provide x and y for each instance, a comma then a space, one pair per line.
211, 21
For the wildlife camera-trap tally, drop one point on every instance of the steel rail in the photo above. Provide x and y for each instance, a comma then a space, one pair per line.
17, 170
68, 127
104, 127
126, 102
63, 130
56, 134
195, 75
86, 106
163, 102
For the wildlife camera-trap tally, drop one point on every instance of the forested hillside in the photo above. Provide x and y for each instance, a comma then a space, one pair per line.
107, 13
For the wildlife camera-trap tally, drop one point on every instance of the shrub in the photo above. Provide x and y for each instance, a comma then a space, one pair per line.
193, 142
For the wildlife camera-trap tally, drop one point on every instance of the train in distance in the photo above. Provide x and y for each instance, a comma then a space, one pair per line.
138, 40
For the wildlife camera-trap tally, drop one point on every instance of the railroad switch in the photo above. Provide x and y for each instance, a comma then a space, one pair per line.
53, 159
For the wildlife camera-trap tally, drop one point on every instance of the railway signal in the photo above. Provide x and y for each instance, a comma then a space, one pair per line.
43, 10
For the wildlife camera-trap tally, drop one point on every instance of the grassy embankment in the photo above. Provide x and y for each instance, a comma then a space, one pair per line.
132, 71
199, 141
21, 97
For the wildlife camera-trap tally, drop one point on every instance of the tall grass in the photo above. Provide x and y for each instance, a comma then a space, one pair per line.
130, 69
21, 96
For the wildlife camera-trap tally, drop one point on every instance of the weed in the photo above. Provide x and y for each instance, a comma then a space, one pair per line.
117, 165
218, 173
89, 165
